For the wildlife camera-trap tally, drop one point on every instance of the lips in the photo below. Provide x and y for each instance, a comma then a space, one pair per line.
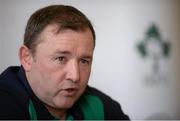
69, 92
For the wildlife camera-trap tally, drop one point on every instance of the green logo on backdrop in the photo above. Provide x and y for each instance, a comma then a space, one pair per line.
154, 48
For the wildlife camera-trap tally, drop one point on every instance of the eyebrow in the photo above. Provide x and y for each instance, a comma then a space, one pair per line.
69, 53
63, 52
88, 57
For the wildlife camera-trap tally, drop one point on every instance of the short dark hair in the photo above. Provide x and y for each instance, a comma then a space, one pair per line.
66, 17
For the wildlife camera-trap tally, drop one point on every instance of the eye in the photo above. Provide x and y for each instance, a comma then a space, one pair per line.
84, 62
61, 59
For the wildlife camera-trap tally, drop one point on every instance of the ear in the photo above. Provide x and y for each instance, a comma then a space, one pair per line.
25, 57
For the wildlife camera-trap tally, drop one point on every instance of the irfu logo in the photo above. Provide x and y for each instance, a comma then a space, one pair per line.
153, 47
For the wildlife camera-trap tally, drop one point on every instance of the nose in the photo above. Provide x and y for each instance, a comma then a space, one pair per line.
73, 72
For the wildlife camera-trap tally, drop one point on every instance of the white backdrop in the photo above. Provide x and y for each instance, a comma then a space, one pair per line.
117, 68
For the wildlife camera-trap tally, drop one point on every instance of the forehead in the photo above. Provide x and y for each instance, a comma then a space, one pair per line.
66, 39
55, 30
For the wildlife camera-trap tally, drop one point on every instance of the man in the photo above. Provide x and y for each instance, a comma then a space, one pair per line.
52, 82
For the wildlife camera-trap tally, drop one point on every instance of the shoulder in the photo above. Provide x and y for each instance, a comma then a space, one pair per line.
11, 83
8, 78
112, 109
13, 99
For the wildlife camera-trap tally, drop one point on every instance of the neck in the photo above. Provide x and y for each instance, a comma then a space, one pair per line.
58, 113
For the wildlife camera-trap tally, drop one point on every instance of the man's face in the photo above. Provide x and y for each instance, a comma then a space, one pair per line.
60, 69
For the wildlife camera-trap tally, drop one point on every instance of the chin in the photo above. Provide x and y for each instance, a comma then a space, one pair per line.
64, 103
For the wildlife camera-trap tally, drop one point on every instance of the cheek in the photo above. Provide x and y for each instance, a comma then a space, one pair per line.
85, 74
48, 77
52, 79
50, 84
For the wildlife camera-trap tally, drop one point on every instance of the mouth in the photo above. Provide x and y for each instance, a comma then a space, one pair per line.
70, 92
